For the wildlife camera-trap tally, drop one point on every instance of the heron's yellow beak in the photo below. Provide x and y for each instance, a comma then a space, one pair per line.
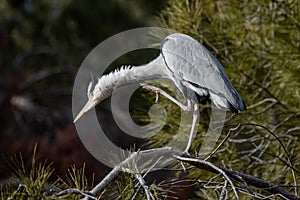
90, 104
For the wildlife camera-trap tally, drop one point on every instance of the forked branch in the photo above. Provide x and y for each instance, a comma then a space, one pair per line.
231, 176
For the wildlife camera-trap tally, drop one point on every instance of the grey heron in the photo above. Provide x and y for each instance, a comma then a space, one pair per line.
187, 63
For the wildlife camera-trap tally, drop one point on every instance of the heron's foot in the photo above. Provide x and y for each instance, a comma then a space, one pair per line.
157, 90
153, 89
156, 96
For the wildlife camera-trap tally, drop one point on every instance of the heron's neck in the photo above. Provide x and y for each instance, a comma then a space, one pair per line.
131, 74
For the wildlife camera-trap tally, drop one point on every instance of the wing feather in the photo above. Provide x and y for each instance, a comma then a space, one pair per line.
191, 62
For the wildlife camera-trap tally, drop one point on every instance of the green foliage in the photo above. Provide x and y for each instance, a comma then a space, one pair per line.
37, 181
122, 188
75, 178
258, 43
126, 187
27, 184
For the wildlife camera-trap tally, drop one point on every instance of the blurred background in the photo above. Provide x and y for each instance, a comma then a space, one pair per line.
42, 45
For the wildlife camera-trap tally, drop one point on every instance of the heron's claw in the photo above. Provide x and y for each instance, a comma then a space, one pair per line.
156, 96
153, 89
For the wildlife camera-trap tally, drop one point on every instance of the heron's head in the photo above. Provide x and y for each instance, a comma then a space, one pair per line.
94, 98
101, 88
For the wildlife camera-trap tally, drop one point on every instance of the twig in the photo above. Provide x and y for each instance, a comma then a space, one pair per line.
145, 174
211, 166
250, 180
222, 142
262, 102
145, 187
224, 193
87, 195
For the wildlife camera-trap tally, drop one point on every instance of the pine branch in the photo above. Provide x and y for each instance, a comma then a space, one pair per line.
239, 177
230, 176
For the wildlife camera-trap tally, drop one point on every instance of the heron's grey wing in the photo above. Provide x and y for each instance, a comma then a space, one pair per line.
192, 63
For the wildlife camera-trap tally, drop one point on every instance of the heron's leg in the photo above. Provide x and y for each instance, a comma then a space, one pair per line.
194, 123
187, 107
157, 90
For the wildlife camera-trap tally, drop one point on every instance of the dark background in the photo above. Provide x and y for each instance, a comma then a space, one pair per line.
42, 45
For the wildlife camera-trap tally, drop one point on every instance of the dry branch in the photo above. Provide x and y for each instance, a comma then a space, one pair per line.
230, 176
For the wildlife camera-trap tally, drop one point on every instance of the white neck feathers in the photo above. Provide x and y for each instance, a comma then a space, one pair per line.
127, 75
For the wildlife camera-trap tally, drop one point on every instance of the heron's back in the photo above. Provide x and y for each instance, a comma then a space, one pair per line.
192, 64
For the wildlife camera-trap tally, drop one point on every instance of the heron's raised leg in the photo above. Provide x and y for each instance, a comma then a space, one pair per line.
187, 107
157, 90
194, 125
